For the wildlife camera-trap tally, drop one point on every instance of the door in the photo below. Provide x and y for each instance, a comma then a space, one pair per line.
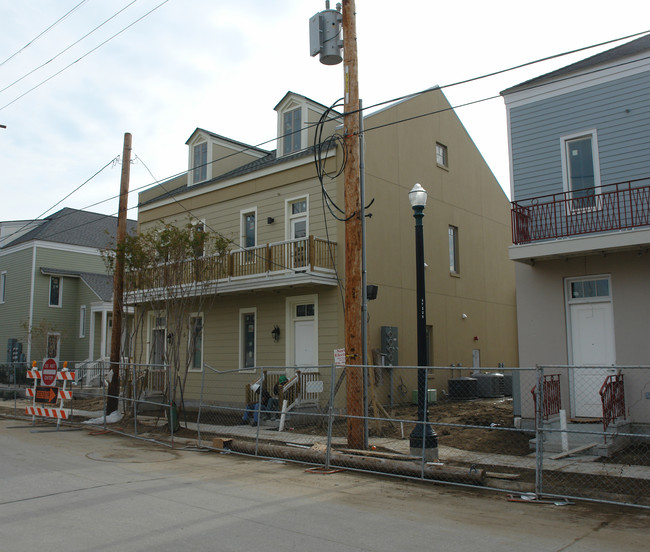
303, 342
157, 356
592, 344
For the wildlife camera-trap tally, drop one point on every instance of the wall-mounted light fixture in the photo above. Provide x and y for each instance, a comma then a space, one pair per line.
276, 333
463, 316
270, 220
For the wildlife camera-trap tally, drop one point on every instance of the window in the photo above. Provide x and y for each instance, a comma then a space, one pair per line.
53, 345
441, 155
55, 291
82, 321
590, 289
200, 162
291, 131
3, 286
196, 343
454, 267
297, 220
247, 339
581, 169
248, 232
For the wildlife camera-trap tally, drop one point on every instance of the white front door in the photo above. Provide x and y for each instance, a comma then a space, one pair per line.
302, 320
592, 344
303, 343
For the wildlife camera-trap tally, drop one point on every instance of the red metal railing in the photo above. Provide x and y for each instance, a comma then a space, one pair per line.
552, 396
612, 395
608, 208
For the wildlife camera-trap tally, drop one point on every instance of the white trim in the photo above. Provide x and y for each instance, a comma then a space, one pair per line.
240, 354
290, 318
580, 80
581, 245
189, 339
51, 245
31, 304
564, 140
194, 192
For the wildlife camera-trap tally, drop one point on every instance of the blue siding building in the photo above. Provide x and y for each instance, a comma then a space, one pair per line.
580, 173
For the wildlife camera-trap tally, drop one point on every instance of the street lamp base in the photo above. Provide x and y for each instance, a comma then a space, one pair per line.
427, 446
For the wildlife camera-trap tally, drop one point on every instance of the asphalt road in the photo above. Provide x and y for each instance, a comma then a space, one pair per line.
77, 491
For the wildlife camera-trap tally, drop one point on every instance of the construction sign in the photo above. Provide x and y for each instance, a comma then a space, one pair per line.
48, 393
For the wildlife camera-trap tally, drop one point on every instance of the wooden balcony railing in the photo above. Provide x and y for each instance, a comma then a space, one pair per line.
619, 206
293, 256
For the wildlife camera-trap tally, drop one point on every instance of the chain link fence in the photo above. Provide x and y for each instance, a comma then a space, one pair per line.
552, 433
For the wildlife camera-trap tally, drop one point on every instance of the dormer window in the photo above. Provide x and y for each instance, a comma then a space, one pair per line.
200, 162
291, 131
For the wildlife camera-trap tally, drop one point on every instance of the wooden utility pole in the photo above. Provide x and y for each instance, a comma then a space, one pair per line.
353, 291
112, 403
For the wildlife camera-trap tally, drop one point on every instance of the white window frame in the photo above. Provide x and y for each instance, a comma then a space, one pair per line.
49, 292
242, 364
82, 321
566, 181
242, 226
291, 217
190, 364
445, 155
3, 286
454, 250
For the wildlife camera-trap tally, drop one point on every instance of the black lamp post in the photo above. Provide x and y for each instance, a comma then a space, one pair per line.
423, 440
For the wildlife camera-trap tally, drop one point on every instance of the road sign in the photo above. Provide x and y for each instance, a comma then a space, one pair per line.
47, 395
48, 373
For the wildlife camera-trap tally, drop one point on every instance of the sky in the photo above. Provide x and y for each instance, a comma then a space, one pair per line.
223, 66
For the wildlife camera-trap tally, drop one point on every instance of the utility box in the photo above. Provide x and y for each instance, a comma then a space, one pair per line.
325, 36
432, 396
389, 345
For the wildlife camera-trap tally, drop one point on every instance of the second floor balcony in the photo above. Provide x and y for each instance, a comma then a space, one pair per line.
303, 261
611, 208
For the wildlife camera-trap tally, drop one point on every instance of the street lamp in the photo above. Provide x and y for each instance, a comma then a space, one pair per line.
423, 440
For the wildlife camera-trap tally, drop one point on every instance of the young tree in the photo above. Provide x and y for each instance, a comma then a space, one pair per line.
171, 272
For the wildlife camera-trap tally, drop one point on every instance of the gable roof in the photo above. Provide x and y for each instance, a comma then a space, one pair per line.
101, 284
75, 227
626, 50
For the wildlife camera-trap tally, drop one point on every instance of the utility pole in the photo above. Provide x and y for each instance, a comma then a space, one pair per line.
112, 404
353, 291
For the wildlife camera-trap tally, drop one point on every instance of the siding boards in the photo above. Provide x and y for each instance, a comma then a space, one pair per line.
618, 110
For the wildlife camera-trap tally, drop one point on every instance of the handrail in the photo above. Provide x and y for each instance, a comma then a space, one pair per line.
611, 207
612, 397
552, 395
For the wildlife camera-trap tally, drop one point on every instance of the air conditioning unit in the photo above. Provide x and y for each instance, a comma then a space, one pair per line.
462, 389
490, 385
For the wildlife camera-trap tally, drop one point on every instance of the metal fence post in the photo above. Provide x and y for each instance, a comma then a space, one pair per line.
134, 397
330, 418
198, 417
104, 390
171, 410
539, 432
259, 411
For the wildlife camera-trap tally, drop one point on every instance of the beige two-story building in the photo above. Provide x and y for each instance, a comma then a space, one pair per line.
276, 298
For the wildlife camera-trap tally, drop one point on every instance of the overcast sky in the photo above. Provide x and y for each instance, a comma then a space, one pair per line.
223, 66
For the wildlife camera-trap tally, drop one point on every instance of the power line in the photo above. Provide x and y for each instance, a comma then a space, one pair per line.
83, 56
70, 46
43, 32
58, 202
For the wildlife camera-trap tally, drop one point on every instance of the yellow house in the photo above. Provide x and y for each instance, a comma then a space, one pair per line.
276, 298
